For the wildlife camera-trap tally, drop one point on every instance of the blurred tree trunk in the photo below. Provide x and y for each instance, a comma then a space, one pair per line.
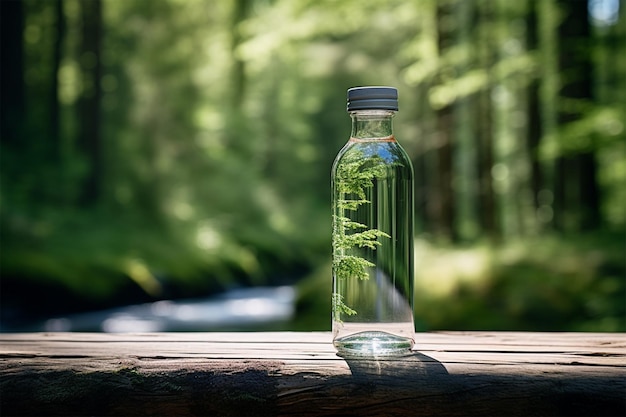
589, 191
533, 132
426, 192
444, 210
577, 192
236, 129
90, 135
465, 172
420, 186
547, 23
484, 116
12, 80
238, 73
57, 55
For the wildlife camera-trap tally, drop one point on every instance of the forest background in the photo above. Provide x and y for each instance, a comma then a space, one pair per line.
178, 148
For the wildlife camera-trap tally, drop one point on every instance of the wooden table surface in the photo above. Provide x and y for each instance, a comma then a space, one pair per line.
283, 373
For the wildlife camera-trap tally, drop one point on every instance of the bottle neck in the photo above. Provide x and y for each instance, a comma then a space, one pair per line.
372, 124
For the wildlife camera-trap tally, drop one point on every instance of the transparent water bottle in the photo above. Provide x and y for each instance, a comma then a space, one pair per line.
372, 202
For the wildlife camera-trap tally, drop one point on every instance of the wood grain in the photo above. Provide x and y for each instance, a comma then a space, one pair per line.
290, 374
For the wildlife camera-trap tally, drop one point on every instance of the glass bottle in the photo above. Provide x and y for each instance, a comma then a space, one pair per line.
372, 202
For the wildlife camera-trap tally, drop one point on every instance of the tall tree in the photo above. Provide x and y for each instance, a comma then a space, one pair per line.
240, 12
236, 130
443, 210
533, 132
577, 191
89, 109
465, 169
547, 21
12, 80
422, 181
425, 67
57, 55
484, 127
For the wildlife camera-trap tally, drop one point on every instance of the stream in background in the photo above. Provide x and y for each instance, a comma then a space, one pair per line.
255, 308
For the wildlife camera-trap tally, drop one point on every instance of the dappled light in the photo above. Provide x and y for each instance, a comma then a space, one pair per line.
439, 271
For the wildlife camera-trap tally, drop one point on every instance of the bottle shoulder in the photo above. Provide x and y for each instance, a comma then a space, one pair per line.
386, 150
361, 155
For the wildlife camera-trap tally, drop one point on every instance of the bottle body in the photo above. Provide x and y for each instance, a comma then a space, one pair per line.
372, 201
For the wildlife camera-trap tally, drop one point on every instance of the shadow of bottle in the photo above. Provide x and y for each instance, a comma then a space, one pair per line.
413, 366
395, 385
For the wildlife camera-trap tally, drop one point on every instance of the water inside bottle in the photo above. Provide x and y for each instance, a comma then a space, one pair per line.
374, 314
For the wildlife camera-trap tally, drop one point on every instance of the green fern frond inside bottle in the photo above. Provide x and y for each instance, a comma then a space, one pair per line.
354, 175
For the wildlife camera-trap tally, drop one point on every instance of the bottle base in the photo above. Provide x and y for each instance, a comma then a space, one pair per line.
373, 344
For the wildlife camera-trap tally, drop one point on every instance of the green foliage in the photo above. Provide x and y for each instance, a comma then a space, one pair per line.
219, 128
349, 266
339, 307
95, 262
552, 283
354, 174
365, 239
547, 284
314, 301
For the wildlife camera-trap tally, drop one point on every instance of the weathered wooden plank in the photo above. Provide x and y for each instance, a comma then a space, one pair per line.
284, 346
323, 337
448, 338
429, 341
470, 373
